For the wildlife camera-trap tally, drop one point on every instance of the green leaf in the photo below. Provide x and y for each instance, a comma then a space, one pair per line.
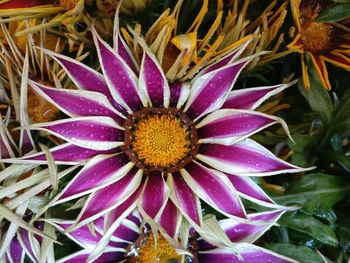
311, 226
319, 100
343, 160
300, 253
302, 146
315, 191
335, 13
327, 216
302, 142
340, 127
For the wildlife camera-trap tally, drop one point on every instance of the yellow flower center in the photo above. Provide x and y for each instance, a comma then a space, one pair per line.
160, 141
316, 37
160, 251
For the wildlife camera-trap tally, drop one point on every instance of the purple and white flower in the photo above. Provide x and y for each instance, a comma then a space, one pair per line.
157, 146
129, 239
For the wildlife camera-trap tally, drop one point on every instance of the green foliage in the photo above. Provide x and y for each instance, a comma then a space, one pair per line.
311, 226
314, 191
300, 253
335, 13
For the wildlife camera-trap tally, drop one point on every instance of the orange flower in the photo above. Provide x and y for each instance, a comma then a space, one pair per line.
320, 41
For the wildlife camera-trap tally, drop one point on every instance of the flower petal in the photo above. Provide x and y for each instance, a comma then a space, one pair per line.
248, 189
249, 253
82, 236
153, 83
27, 243
250, 99
125, 53
96, 174
170, 219
84, 77
111, 196
121, 81
82, 256
245, 157
15, 4
68, 154
15, 253
115, 218
78, 102
179, 93
209, 91
154, 195
230, 126
128, 231
97, 133
321, 69
258, 224
214, 188
184, 198
232, 56
123, 210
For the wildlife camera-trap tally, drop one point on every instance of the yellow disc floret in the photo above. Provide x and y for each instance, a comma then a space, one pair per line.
159, 250
160, 141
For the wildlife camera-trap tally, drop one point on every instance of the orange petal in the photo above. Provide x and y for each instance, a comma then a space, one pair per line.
321, 70
337, 59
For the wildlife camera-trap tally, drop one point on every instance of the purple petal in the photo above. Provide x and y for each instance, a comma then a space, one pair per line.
249, 253
5, 149
153, 82
16, 253
83, 255
84, 77
179, 93
232, 56
67, 154
4, 152
95, 174
128, 231
23, 236
112, 195
249, 232
214, 188
78, 102
252, 98
154, 195
248, 189
26, 143
185, 199
170, 219
229, 126
246, 157
121, 80
257, 224
123, 210
82, 235
97, 133
210, 90
126, 55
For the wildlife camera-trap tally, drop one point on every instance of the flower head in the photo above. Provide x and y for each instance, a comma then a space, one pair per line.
132, 242
159, 147
321, 41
